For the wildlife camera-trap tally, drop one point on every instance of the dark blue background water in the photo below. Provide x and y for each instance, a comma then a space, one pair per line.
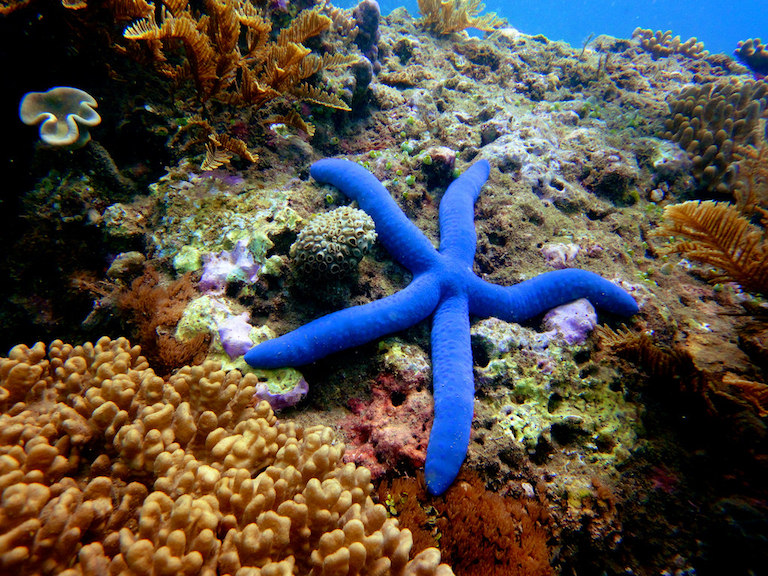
711, 21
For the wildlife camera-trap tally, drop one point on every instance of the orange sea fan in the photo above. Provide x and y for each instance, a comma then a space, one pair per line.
717, 234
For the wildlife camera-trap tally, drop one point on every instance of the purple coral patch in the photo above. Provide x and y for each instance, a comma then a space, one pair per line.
573, 322
285, 400
218, 269
234, 335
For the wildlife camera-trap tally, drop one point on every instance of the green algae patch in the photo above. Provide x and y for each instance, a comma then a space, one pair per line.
205, 314
538, 394
188, 259
208, 214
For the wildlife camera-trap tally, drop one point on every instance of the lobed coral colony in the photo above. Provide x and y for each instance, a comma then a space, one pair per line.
709, 120
380, 296
172, 489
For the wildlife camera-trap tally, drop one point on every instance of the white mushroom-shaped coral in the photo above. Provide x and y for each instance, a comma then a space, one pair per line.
66, 114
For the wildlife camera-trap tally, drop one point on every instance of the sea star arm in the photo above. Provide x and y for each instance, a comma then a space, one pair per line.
453, 385
546, 291
349, 327
402, 239
458, 238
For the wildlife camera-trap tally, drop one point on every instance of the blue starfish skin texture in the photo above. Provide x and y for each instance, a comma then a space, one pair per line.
443, 286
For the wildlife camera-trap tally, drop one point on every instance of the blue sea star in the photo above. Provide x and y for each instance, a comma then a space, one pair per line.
443, 286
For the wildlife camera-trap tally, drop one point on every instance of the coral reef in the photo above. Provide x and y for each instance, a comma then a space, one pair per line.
644, 455
228, 335
541, 399
443, 286
107, 468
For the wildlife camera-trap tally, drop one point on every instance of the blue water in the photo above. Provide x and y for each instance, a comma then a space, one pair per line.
718, 26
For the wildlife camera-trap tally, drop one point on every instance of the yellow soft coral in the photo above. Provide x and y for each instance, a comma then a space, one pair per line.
106, 468
448, 16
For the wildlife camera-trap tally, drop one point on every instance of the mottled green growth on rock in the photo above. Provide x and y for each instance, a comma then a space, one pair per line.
204, 315
205, 214
541, 396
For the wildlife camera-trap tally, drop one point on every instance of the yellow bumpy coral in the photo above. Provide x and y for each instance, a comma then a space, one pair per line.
106, 468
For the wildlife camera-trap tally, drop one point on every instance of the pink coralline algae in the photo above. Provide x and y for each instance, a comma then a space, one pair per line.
392, 427
228, 266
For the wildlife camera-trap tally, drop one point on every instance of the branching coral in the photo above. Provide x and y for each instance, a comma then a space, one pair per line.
662, 44
262, 71
449, 16
754, 54
709, 120
106, 468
